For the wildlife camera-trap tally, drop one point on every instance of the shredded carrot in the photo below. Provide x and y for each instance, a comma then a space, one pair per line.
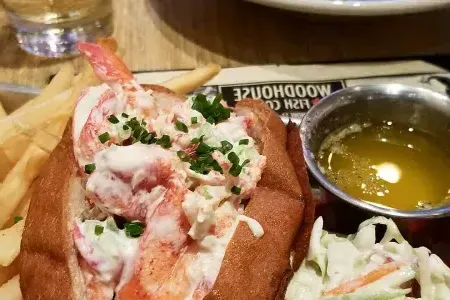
352, 285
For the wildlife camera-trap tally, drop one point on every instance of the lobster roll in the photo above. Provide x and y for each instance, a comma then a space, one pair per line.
153, 195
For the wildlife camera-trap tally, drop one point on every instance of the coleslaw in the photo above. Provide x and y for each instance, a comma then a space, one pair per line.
357, 267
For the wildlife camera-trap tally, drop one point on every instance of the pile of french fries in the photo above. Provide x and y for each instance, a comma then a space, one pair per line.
28, 136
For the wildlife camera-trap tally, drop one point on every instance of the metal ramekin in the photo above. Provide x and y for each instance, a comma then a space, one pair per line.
411, 106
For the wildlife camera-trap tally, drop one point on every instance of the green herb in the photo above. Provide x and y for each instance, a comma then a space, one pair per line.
17, 219
125, 115
194, 120
214, 111
236, 190
125, 127
88, 169
137, 132
132, 123
145, 137
203, 148
203, 164
113, 119
183, 156
134, 229
245, 162
235, 170
197, 140
243, 142
164, 141
181, 126
143, 122
216, 167
104, 137
98, 229
225, 147
233, 158
151, 138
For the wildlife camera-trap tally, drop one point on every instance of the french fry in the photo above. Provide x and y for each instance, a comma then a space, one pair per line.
192, 80
22, 208
5, 165
19, 179
6, 273
11, 290
2, 111
13, 149
10, 240
31, 117
49, 137
62, 81
18, 130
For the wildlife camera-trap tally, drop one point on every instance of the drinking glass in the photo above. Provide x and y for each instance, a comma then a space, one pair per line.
52, 28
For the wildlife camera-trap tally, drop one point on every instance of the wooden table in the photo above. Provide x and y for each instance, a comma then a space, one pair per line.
179, 34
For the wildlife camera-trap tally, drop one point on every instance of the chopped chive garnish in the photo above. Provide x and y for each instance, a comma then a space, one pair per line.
133, 123
125, 115
245, 162
197, 140
203, 148
243, 142
113, 119
137, 132
183, 156
133, 229
216, 167
214, 111
152, 138
143, 123
17, 219
235, 170
104, 137
88, 169
145, 137
194, 120
125, 127
225, 147
233, 158
236, 190
164, 141
181, 126
98, 229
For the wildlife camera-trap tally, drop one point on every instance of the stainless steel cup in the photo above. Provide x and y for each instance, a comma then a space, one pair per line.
420, 108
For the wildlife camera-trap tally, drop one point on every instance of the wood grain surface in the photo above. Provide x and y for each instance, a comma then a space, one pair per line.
181, 34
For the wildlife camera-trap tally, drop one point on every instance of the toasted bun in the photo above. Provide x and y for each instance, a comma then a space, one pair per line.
266, 119
49, 267
258, 268
253, 268
294, 149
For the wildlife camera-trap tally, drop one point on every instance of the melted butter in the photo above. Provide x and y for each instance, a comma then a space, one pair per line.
388, 165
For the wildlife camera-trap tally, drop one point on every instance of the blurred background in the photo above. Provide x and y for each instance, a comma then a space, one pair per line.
171, 34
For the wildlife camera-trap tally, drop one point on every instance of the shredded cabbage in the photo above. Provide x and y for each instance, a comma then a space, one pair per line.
352, 266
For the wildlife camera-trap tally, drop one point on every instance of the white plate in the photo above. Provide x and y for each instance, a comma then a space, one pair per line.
355, 7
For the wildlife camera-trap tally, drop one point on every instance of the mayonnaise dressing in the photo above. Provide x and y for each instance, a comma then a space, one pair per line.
212, 249
254, 225
111, 254
85, 105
